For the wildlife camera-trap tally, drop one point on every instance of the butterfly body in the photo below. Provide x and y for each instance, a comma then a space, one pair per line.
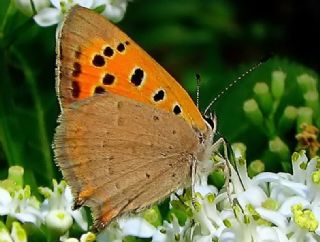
129, 134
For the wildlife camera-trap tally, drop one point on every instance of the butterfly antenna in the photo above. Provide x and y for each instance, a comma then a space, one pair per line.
198, 89
239, 78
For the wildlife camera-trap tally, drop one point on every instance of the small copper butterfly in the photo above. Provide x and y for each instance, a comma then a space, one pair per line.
129, 134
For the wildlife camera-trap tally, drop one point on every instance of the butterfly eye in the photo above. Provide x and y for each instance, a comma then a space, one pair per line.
211, 120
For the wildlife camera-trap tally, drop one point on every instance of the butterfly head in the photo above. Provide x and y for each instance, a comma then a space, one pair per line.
211, 121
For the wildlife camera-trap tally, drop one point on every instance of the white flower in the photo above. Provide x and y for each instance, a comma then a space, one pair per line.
54, 15
60, 198
21, 205
172, 231
111, 233
88, 237
58, 220
18, 233
133, 225
49, 15
4, 234
136, 226
25, 6
266, 208
113, 9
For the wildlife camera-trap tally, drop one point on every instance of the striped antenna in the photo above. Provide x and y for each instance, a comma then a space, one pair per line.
198, 89
239, 78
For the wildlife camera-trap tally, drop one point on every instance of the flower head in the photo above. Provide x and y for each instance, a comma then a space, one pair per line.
58, 204
53, 14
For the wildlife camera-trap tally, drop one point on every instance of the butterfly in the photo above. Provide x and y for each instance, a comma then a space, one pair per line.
129, 135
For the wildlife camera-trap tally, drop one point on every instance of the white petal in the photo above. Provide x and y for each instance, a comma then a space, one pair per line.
26, 217
5, 236
278, 193
221, 197
48, 16
114, 13
297, 188
71, 240
202, 238
56, 3
59, 220
285, 208
84, 3
254, 195
316, 212
271, 234
299, 174
80, 218
4, 210
136, 226
68, 195
312, 166
97, 3
228, 235
311, 238
24, 6
111, 233
265, 177
159, 237
273, 216
212, 213
205, 189
41, 4
5, 198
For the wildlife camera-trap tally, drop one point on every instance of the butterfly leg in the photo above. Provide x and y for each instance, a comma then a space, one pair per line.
193, 178
225, 163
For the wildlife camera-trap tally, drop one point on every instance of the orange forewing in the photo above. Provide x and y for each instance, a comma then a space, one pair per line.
95, 56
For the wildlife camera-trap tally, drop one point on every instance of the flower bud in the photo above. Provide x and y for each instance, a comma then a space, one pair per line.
153, 216
4, 234
15, 174
263, 96
304, 117
253, 112
287, 119
307, 83
88, 237
256, 167
59, 221
312, 100
278, 147
18, 233
277, 83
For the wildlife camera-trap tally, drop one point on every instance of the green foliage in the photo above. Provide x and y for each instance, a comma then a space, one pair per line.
28, 106
281, 103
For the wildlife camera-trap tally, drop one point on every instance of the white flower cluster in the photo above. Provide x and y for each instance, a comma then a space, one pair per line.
268, 207
51, 12
55, 212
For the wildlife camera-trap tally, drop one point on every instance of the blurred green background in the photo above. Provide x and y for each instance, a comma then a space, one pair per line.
217, 39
